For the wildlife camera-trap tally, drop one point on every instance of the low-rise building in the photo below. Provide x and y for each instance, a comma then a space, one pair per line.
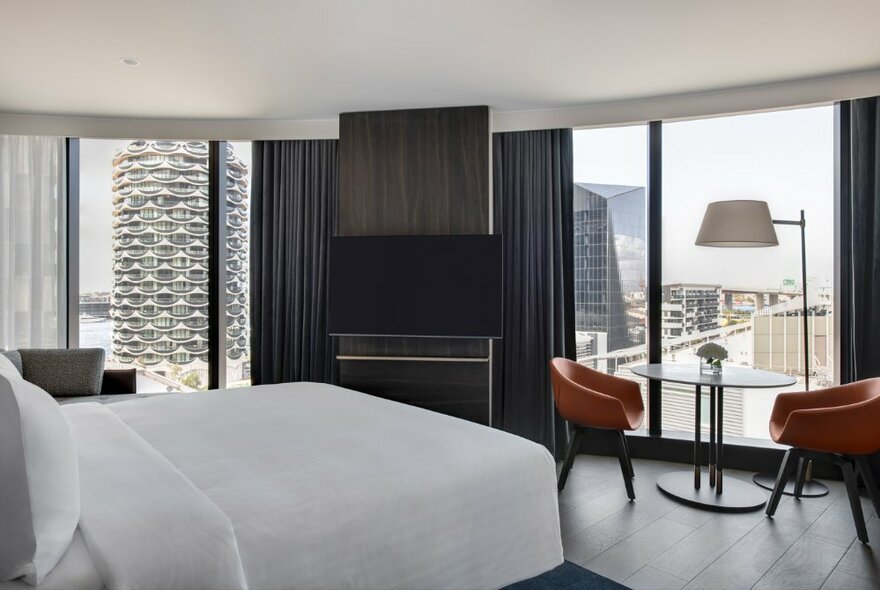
690, 308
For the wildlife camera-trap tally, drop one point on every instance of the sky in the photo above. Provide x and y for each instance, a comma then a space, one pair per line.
782, 157
96, 209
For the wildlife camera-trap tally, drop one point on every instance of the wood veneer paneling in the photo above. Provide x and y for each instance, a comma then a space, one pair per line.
416, 172
457, 389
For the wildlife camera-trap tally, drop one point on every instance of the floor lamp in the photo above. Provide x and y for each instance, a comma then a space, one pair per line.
748, 224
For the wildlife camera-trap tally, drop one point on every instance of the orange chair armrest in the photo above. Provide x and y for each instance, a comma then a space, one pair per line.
847, 429
830, 397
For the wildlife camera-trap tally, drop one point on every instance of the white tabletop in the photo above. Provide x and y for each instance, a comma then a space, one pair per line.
728, 377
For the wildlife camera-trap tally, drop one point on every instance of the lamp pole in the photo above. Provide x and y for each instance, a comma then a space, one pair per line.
802, 224
743, 224
813, 488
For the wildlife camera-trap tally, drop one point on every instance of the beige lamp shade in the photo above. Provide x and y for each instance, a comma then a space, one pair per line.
737, 224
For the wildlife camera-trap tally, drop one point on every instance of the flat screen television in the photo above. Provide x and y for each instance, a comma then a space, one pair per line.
432, 286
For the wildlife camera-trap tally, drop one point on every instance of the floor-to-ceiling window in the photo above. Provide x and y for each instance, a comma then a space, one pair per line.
748, 300
610, 249
143, 270
238, 192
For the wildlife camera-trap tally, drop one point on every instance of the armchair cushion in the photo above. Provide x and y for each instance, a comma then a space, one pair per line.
64, 372
14, 357
119, 381
8, 365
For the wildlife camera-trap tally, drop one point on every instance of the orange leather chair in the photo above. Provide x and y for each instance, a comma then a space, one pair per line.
840, 424
590, 399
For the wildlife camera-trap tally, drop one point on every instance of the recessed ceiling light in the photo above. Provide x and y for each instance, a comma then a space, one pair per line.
129, 61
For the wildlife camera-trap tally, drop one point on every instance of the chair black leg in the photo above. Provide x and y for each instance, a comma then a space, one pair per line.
624, 464
801, 477
855, 504
629, 457
788, 462
573, 444
864, 469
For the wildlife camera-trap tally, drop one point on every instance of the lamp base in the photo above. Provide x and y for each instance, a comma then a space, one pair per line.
812, 488
738, 495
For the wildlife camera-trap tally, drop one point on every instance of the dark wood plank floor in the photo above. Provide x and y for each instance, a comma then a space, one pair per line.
656, 543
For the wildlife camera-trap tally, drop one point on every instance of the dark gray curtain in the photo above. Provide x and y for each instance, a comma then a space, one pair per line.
863, 351
865, 238
533, 202
293, 200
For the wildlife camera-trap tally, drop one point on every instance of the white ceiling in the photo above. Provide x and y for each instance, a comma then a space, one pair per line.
293, 60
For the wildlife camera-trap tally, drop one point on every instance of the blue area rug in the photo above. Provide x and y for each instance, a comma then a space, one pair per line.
567, 576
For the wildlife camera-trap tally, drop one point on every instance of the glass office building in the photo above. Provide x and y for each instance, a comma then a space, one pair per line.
610, 263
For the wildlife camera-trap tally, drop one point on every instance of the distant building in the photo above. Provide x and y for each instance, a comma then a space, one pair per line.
592, 349
678, 409
778, 342
689, 309
159, 303
95, 306
610, 262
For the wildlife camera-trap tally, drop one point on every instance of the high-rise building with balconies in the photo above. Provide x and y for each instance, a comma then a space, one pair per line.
159, 301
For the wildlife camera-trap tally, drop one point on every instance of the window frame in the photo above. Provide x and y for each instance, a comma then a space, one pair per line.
654, 286
217, 219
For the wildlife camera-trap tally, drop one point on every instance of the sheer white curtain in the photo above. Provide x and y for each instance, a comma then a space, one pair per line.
32, 242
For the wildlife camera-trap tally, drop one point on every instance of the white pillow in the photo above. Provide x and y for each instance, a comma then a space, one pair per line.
39, 481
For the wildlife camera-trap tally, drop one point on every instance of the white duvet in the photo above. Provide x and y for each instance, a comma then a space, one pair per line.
308, 486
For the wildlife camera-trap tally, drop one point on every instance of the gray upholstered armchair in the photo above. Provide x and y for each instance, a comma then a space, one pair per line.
72, 374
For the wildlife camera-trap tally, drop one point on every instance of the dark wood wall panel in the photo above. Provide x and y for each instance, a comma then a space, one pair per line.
457, 389
380, 345
416, 172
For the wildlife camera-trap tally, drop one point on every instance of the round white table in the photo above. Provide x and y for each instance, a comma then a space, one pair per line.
710, 491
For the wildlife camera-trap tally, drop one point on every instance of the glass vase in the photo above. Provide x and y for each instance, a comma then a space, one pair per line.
710, 368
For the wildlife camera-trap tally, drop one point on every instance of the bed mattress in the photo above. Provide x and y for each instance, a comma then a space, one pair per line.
307, 485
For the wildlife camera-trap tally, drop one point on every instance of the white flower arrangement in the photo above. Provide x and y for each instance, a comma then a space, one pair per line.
712, 353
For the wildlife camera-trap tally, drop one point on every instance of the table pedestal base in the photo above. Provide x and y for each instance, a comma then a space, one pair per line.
738, 496
812, 488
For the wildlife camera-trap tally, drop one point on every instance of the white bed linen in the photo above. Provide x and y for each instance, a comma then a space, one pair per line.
324, 488
145, 524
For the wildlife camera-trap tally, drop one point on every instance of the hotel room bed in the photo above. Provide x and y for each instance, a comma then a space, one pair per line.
304, 485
